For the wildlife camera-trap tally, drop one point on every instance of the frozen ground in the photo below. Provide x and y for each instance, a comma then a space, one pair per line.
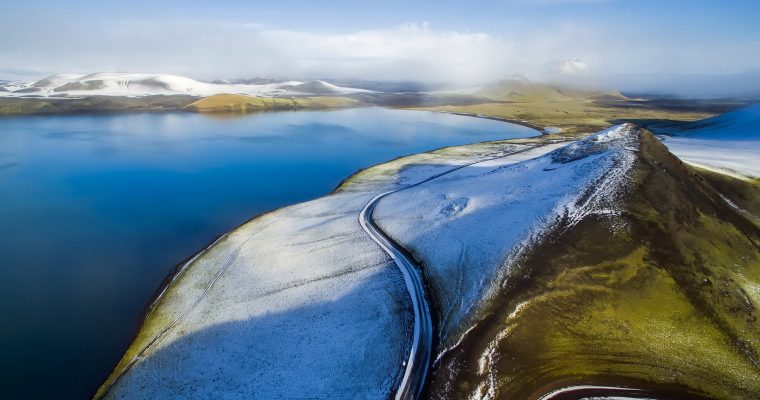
135, 85
728, 143
296, 303
470, 227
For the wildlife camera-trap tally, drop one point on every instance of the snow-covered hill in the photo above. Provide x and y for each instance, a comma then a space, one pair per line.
135, 85
300, 301
471, 225
729, 142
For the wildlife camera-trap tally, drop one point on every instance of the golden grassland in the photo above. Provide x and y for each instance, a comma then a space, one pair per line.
572, 116
93, 104
243, 103
574, 111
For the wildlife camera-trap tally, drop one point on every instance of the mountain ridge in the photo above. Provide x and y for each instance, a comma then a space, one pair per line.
140, 84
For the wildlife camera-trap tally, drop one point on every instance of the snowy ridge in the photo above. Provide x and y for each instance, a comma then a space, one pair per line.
471, 227
135, 85
300, 302
297, 303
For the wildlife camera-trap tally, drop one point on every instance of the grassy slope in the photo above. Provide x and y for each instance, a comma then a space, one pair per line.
10, 106
667, 303
520, 90
242, 103
572, 116
744, 193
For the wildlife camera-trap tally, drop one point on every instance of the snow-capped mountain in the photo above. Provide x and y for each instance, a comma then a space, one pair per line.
320, 87
135, 85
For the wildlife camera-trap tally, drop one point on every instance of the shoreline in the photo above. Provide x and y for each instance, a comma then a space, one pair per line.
182, 266
183, 109
539, 128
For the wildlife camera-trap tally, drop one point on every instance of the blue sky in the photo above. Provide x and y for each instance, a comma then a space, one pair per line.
434, 40
737, 18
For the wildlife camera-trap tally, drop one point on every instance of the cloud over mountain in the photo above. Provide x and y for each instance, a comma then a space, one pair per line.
219, 48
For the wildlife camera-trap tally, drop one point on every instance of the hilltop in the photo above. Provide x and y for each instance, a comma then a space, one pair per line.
660, 277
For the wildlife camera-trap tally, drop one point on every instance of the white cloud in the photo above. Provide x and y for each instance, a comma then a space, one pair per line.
415, 51
410, 51
214, 49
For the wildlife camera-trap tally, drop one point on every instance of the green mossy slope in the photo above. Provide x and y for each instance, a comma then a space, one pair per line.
666, 302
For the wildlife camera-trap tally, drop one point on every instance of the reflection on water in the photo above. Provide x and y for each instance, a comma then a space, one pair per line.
95, 211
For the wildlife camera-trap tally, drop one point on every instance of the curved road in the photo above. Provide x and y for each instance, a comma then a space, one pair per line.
419, 358
422, 343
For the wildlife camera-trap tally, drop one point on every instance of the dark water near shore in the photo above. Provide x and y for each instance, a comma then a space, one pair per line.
95, 211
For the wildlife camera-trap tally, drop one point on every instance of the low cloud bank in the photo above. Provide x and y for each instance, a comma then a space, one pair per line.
600, 56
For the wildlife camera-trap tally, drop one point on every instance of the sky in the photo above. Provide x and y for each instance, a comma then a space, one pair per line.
701, 46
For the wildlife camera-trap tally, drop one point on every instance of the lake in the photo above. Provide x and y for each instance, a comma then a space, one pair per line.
96, 210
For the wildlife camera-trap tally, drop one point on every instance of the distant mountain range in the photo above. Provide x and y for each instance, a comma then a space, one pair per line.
520, 89
136, 85
140, 85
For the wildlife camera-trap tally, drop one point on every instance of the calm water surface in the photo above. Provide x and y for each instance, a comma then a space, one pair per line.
96, 210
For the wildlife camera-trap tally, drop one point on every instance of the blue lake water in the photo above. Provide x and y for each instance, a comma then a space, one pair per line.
96, 210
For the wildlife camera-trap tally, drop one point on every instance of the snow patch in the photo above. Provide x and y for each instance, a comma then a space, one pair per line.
728, 143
